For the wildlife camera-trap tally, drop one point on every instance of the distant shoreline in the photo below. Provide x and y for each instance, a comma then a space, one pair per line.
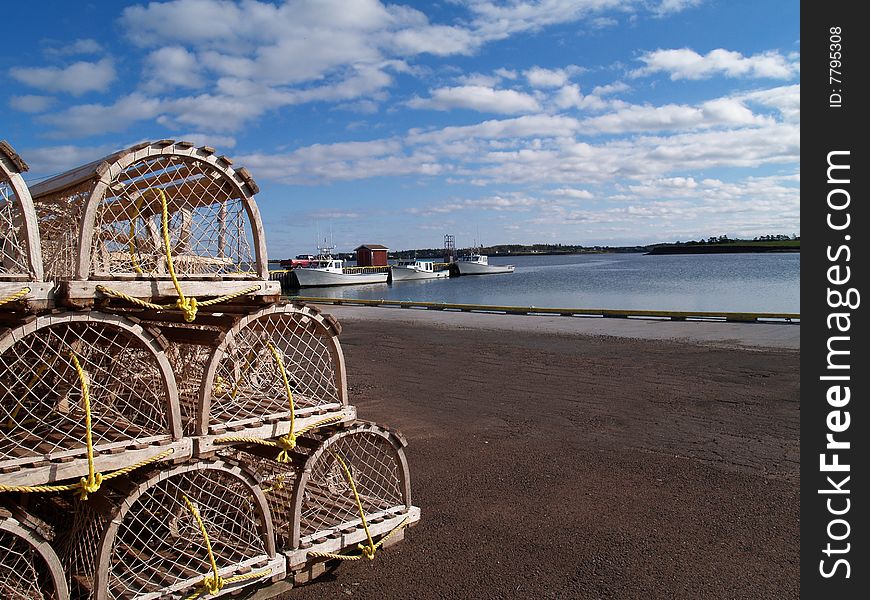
720, 249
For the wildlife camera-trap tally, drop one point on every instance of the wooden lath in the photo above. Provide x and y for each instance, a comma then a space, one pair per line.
7, 151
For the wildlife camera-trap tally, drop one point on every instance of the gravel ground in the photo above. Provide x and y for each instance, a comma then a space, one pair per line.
580, 466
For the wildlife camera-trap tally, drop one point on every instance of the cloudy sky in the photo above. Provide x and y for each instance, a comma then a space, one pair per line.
575, 121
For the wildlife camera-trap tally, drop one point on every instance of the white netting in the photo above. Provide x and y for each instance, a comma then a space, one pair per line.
159, 542
328, 500
157, 547
59, 232
24, 574
248, 381
209, 228
41, 408
188, 363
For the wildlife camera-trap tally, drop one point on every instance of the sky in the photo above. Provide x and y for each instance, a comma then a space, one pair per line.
592, 122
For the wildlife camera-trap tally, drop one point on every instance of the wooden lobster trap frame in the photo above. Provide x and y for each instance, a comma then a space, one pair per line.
247, 375
21, 277
170, 533
29, 567
313, 498
81, 392
146, 220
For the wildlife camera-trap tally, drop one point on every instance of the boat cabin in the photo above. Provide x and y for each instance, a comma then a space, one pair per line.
475, 258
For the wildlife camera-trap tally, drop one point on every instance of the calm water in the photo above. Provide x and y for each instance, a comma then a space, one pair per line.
702, 282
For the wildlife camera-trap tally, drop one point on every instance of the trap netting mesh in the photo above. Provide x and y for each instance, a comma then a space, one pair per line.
328, 501
59, 232
324, 499
41, 391
208, 225
29, 568
246, 378
188, 363
13, 237
151, 544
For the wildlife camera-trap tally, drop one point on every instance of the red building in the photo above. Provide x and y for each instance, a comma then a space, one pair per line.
371, 255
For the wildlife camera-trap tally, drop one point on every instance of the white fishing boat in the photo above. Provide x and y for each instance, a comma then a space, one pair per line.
326, 270
419, 269
478, 264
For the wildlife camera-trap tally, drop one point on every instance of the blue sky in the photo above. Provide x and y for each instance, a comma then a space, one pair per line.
576, 121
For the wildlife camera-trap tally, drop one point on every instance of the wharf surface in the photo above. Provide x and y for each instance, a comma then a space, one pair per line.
581, 458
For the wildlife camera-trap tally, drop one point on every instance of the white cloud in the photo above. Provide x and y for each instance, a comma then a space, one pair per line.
570, 97
611, 88
80, 46
91, 119
785, 99
173, 67
499, 20
76, 79
479, 98
340, 162
685, 63
667, 7
31, 103
539, 77
440, 40
518, 127
572, 193
675, 117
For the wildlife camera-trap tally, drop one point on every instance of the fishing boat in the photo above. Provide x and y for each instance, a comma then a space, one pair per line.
326, 270
478, 264
419, 269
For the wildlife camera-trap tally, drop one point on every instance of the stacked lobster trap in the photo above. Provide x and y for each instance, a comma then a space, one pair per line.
168, 426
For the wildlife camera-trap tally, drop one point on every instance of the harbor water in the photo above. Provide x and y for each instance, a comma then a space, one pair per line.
763, 282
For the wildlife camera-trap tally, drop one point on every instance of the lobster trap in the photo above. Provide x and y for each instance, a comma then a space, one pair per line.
29, 567
199, 529
156, 221
342, 487
21, 277
83, 392
276, 372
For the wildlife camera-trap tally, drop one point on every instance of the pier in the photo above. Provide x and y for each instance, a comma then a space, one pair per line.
736, 317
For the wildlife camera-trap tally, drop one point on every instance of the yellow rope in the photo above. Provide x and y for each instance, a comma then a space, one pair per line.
278, 484
16, 296
367, 550
237, 439
214, 583
349, 557
94, 479
75, 486
287, 442
144, 304
91, 483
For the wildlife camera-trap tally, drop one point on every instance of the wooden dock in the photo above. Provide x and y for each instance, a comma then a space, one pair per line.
737, 317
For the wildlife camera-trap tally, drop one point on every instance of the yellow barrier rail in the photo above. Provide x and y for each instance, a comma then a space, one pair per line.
736, 317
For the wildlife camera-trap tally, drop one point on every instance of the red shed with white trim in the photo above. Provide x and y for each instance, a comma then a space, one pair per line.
371, 255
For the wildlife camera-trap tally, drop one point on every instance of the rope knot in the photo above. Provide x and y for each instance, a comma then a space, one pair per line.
188, 306
212, 584
287, 443
90, 485
368, 550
